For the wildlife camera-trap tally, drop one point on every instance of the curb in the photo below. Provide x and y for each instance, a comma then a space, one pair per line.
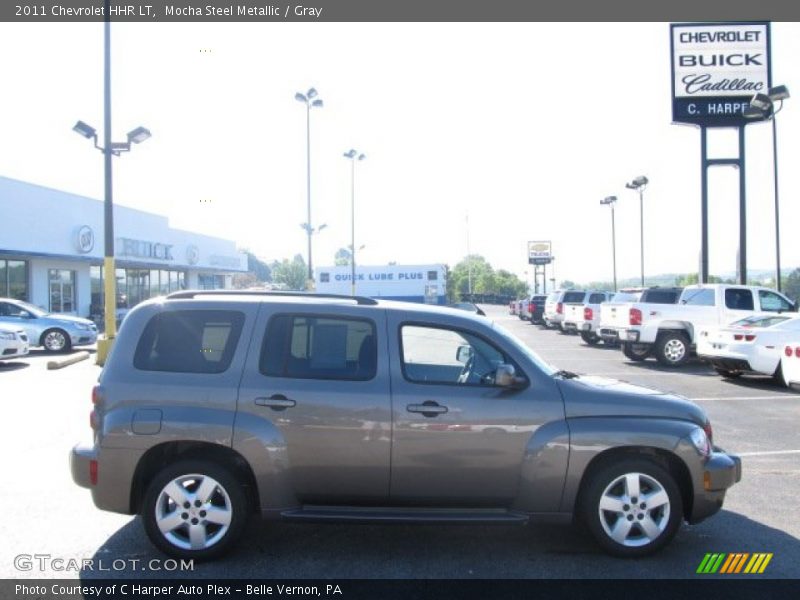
69, 360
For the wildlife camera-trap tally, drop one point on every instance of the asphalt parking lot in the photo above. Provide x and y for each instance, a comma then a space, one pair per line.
47, 412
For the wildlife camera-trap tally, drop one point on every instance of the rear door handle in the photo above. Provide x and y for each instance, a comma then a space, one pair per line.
429, 408
276, 402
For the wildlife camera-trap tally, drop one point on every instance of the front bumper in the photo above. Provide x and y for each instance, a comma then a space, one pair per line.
720, 472
83, 338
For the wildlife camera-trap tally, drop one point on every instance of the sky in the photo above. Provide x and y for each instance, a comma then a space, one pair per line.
524, 127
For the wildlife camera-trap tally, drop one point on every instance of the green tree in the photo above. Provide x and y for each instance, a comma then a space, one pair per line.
258, 268
342, 257
791, 285
566, 284
291, 273
484, 280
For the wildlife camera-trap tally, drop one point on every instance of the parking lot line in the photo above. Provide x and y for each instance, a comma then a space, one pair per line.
768, 453
775, 397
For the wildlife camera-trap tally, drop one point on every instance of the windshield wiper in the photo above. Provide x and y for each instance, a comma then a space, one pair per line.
566, 374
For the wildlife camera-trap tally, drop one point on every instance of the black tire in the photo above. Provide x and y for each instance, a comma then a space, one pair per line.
663, 520
672, 348
236, 502
636, 352
55, 340
727, 373
777, 376
590, 338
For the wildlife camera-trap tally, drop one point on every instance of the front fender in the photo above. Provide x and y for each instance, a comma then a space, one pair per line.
591, 436
544, 469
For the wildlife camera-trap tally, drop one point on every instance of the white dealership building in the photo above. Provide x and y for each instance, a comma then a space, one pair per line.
51, 252
412, 283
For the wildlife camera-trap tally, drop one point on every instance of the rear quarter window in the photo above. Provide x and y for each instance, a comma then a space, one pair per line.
189, 341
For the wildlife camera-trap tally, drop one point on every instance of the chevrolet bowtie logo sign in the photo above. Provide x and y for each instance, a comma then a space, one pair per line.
736, 562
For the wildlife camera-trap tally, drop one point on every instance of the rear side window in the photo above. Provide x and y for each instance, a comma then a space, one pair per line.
597, 298
662, 296
739, 299
570, 297
698, 297
308, 347
189, 341
626, 297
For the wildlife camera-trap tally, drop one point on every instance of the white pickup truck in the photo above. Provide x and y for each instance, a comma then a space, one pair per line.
584, 317
668, 330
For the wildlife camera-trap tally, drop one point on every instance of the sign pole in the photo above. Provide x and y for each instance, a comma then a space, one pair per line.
704, 205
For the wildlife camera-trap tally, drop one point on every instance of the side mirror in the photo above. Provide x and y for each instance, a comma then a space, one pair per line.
505, 376
464, 354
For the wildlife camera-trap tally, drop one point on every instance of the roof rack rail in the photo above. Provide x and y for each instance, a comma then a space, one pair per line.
188, 294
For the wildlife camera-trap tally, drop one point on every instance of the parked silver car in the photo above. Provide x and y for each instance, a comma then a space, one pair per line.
216, 405
54, 332
13, 342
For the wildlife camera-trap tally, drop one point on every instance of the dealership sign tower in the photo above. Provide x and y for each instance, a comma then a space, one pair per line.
716, 70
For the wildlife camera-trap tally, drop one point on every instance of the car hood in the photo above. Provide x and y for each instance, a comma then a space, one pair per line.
67, 319
590, 396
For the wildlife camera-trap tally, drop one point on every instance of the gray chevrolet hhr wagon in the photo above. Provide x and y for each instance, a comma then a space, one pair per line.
215, 405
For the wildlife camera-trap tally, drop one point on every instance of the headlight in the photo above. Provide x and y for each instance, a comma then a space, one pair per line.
700, 442
7, 335
82, 326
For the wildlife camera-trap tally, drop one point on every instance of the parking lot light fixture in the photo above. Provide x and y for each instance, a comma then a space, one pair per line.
639, 184
138, 135
85, 130
762, 108
353, 155
311, 101
611, 201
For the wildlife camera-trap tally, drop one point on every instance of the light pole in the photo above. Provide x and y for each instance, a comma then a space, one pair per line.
311, 101
762, 107
109, 149
611, 201
640, 183
352, 155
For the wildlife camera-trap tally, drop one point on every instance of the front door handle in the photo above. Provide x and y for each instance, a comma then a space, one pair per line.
276, 402
429, 408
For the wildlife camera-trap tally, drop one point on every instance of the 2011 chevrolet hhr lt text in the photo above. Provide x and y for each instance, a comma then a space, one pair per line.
214, 406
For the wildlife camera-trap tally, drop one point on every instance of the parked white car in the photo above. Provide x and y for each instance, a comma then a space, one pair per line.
554, 306
584, 317
669, 331
751, 345
790, 363
13, 342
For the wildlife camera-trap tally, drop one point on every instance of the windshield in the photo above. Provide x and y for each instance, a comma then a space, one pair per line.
34, 310
524, 349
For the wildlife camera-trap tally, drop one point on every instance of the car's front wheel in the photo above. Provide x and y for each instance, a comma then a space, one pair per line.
194, 509
636, 352
55, 340
633, 507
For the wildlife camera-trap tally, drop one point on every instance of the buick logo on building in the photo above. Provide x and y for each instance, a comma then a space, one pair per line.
84, 239
192, 254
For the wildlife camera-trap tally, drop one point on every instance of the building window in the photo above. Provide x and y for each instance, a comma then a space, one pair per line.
62, 290
135, 285
211, 282
433, 275
14, 279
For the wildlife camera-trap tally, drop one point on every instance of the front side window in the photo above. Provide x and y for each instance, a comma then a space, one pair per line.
312, 347
448, 356
739, 299
772, 302
189, 341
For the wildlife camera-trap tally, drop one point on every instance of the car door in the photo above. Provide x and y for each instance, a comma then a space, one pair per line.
321, 378
458, 440
19, 318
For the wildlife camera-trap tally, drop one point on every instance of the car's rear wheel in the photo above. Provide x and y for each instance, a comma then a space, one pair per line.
55, 340
636, 352
590, 338
633, 507
194, 509
672, 348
